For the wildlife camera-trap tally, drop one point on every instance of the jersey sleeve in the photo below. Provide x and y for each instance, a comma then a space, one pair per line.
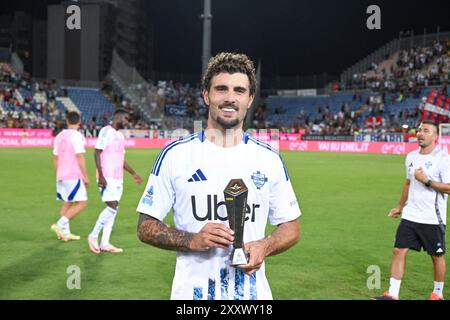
78, 143
104, 138
55, 147
445, 169
283, 203
159, 194
124, 139
407, 163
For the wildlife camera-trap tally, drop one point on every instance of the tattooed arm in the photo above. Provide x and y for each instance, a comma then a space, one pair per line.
156, 233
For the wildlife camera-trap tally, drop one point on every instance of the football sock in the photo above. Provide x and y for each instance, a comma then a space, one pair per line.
63, 223
104, 217
108, 228
439, 288
394, 289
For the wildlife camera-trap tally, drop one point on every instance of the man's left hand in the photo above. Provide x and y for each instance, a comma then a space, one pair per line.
257, 251
421, 176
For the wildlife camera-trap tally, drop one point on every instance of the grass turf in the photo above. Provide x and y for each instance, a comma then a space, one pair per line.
345, 199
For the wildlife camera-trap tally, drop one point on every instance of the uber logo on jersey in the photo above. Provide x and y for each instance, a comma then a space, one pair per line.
212, 213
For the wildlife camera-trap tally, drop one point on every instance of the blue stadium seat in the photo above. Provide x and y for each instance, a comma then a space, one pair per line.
91, 103
293, 106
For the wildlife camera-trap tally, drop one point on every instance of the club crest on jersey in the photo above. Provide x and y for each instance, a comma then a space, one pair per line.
428, 165
259, 179
148, 199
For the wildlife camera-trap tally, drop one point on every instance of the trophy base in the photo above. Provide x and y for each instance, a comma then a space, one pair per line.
238, 257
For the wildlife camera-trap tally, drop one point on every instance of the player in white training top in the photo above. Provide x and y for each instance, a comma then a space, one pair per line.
71, 175
190, 176
423, 208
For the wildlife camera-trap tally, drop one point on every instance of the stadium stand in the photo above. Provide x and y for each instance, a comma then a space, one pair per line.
344, 113
407, 70
26, 103
92, 104
385, 98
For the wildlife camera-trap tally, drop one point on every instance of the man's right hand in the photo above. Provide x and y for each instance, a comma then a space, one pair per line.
213, 235
395, 213
102, 182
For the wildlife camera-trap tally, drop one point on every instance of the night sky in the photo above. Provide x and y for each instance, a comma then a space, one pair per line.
290, 36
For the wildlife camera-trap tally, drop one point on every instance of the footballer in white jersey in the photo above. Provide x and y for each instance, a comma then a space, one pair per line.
422, 200
423, 209
190, 176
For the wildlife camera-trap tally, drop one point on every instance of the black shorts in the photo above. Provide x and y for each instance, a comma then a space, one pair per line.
415, 236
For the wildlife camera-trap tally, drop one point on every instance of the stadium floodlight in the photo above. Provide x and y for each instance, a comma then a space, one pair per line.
207, 34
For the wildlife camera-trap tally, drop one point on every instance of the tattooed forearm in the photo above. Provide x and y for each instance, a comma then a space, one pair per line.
156, 233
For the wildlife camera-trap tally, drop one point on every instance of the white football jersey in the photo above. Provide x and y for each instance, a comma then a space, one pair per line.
190, 176
423, 202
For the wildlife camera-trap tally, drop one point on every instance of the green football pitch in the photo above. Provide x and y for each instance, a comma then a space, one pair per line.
344, 198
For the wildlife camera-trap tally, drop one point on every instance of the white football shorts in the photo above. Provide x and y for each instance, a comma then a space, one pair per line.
71, 191
113, 191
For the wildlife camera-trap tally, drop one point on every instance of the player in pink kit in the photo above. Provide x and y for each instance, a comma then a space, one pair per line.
110, 162
71, 176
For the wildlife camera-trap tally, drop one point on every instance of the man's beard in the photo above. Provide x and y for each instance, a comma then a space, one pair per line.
423, 143
227, 124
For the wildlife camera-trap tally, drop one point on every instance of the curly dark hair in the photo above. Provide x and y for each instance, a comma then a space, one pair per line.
226, 62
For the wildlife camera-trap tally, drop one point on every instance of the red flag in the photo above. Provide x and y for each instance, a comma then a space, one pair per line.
444, 105
447, 107
374, 122
431, 98
439, 103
